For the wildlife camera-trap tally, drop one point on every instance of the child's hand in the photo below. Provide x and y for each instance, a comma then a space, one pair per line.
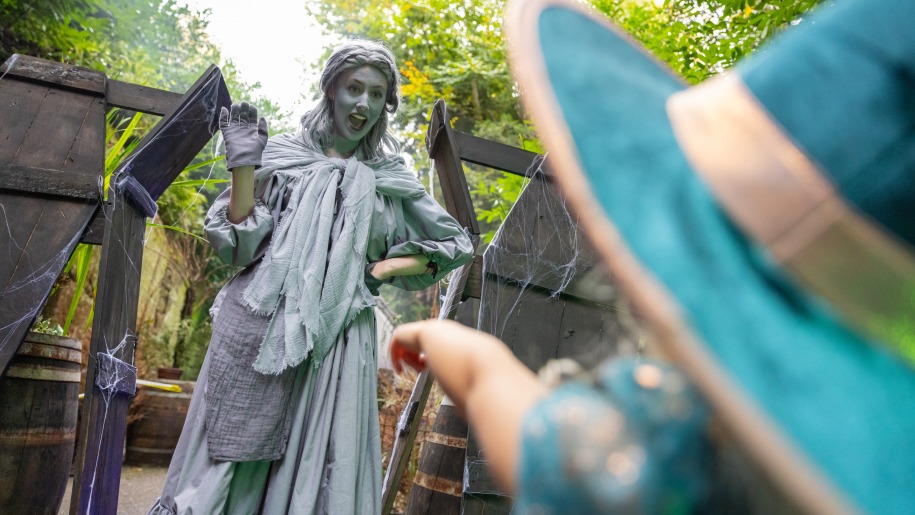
405, 350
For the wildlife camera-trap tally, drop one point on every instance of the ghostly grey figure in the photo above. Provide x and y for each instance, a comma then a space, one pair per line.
284, 416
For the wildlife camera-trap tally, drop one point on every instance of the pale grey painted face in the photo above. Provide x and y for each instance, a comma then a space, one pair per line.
359, 99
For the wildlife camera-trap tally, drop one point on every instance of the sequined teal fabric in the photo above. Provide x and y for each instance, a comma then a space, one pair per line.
843, 401
630, 441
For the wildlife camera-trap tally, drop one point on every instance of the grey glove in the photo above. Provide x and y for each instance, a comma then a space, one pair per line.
245, 141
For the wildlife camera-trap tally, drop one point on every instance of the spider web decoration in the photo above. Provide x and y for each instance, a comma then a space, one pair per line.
547, 295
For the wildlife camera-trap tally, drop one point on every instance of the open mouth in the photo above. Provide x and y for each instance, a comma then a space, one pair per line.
357, 121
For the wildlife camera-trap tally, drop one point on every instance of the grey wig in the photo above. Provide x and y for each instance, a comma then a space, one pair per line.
318, 124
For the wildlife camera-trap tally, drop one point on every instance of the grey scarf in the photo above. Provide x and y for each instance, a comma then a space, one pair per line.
321, 288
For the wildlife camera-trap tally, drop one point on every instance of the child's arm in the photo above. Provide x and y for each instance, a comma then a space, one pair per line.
484, 380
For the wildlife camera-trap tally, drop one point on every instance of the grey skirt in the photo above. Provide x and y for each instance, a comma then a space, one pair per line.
329, 429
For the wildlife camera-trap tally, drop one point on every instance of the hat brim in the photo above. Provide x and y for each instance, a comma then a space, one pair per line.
756, 345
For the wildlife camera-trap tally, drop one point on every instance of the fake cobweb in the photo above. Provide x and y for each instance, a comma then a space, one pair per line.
547, 295
545, 292
112, 354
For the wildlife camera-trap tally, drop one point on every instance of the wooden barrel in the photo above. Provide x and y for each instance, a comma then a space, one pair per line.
38, 407
152, 438
438, 484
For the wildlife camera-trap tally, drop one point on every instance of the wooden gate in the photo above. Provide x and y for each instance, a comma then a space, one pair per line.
52, 152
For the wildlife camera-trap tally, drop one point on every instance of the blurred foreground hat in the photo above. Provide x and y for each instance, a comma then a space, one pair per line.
764, 221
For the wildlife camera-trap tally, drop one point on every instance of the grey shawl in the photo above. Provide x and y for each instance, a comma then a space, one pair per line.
321, 283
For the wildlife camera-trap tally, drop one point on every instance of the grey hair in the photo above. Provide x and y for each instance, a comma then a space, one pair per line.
318, 124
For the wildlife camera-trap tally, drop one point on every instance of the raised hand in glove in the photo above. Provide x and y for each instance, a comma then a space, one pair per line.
245, 135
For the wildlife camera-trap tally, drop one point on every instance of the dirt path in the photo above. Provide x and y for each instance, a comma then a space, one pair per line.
140, 486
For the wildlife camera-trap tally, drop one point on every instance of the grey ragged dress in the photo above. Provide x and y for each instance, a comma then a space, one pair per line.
305, 440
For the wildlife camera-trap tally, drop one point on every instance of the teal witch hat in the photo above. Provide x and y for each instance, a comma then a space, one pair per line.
764, 222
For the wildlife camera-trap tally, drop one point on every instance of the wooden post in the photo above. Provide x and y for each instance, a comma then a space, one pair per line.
135, 186
101, 446
441, 146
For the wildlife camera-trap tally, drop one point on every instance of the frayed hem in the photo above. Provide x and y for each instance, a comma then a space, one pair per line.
161, 509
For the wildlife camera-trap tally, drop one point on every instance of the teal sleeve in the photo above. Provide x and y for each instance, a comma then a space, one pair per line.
629, 441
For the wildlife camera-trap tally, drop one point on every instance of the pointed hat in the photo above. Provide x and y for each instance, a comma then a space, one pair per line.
764, 222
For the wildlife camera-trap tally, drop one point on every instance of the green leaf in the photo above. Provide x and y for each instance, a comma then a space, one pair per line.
176, 229
204, 163
198, 182
80, 258
113, 159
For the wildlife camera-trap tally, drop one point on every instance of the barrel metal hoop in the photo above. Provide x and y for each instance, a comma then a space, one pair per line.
449, 441
42, 350
42, 373
438, 484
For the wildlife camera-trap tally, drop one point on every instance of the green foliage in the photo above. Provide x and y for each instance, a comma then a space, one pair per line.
47, 326
501, 194
446, 49
154, 42
79, 264
700, 38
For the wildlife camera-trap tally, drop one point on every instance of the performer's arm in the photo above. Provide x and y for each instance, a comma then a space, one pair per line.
241, 199
404, 265
245, 136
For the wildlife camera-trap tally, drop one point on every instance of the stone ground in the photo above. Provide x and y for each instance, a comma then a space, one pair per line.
140, 486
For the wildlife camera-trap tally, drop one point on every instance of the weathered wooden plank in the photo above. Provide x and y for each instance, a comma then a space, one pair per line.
440, 144
589, 284
499, 314
18, 215
536, 339
48, 232
20, 102
473, 287
587, 333
86, 155
176, 139
53, 130
101, 444
82, 80
496, 155
40, 231
141, 98
59, 183
481, 494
